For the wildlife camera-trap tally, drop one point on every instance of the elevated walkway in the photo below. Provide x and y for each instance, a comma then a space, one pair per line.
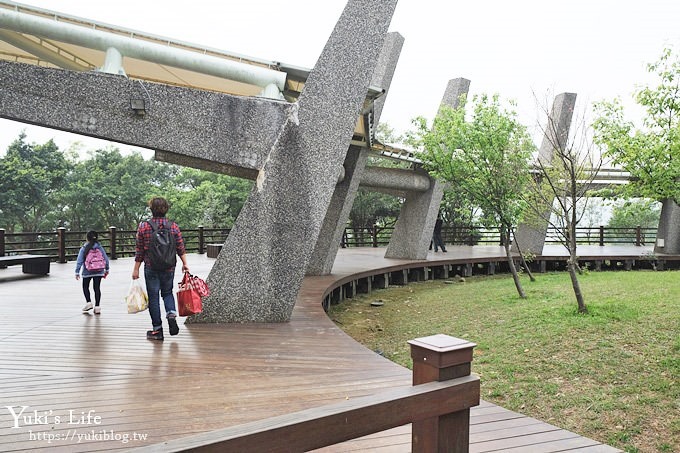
111, 389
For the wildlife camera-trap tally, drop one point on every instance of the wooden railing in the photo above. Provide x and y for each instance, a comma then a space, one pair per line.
380, 236
608, 236
63, 245
438, 406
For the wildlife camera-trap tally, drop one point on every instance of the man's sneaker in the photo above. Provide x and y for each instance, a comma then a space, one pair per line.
155, 334
174, 328
97, 310
88, 306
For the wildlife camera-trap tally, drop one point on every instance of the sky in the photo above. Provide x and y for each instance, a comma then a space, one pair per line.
526, 50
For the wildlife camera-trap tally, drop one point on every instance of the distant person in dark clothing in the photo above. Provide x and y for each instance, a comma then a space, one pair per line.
437, 235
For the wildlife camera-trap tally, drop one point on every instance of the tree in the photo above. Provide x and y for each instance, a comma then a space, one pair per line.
207, 199
30, 176
633, 213
111, 189
485, 158
374, 208
41, 188
650, 153
561, 186
460, 213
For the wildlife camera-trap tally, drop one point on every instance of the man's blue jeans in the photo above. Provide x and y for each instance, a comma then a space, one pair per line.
159, 282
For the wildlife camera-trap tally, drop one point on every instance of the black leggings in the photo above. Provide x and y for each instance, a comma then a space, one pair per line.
97, 281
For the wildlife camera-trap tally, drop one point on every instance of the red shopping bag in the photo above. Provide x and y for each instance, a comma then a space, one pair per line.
199, 285
188, 298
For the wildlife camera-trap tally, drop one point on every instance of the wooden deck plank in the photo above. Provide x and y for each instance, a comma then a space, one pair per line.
54, 360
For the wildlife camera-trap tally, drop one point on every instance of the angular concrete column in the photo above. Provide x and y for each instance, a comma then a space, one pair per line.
413, 230
530, 236
326, 248
454, 90
384, 70
668, 235
414, 227
258, 274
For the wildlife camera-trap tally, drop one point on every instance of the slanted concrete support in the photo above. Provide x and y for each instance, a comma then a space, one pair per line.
384, 70
668, 235
413, 230
257, 276
414, 227
454, 90
530, 236
181, 124
326, 248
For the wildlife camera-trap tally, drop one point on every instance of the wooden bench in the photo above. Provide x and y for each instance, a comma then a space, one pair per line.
31, 264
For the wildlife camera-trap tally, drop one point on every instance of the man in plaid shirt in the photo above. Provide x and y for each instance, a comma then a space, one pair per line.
159, 281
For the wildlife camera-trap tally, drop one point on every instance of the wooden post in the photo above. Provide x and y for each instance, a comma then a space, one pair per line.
112, 234
638, 236
201, 240
440, 358
61, 244
601, 235
2, 246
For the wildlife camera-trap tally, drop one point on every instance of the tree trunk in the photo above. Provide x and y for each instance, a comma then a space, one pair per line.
513, 269
524, 262
576, 286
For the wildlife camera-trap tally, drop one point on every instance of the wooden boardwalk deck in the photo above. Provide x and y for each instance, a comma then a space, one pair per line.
94, 383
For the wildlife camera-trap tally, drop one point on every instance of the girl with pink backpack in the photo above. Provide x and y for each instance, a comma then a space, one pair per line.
94, 262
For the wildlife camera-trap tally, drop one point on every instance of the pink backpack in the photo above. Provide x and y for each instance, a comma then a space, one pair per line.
94, 261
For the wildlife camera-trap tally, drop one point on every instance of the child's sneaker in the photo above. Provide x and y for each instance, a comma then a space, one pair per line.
88, 306
155, 334
97, 310
174, 328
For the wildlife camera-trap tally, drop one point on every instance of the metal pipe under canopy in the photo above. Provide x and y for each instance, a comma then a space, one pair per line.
142, 50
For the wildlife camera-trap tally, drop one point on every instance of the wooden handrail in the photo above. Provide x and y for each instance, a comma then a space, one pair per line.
438, 405
327, 425
63, 245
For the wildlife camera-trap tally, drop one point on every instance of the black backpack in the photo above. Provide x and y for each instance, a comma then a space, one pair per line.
162, 248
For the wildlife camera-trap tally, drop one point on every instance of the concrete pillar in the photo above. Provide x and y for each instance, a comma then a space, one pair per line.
257, 276
454, 90
530, 235
326, 248
327, 244
384, 70
413, 230
668, 235
414, 227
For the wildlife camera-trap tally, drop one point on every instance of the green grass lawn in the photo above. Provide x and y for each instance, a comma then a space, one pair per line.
611, 375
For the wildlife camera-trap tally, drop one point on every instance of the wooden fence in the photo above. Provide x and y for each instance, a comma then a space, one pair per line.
380, 236
438, 406
63, 245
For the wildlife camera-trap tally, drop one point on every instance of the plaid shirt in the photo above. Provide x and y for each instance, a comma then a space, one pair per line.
144, 239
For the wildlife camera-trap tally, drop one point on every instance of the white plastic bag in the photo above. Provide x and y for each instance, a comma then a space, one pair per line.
136, 300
